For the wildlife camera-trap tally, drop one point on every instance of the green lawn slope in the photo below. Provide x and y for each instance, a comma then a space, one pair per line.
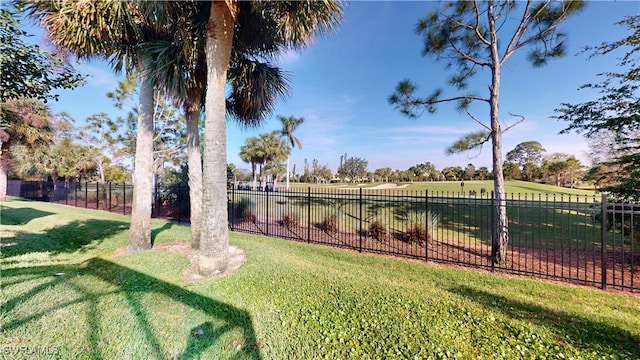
65, 295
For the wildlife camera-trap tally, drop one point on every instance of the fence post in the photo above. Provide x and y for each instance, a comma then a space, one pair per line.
75, 194
308, 214
360, 232
179, 199
97, 195
232, 207
124, 198
154, 202
110, 196
493, 231
426, 225
267, 215
86, 194
603, 242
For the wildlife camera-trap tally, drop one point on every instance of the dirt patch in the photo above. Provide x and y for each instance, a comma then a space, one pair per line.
236, 259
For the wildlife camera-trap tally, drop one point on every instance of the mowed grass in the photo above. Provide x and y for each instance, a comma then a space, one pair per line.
514, 188
540, 216
63, 293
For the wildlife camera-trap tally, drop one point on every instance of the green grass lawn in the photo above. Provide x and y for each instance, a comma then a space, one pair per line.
65, 296
538, 216
514, 187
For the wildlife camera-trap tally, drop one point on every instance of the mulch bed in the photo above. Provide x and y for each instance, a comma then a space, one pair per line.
584, 267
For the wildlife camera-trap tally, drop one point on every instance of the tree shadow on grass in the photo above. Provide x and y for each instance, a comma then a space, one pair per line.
20, 216
155, 232
74, 236
580, 332
133, 286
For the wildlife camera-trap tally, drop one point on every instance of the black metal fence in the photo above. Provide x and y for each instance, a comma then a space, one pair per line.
585, 240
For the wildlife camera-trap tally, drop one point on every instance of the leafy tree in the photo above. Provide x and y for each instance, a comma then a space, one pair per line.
169, 139
475, 36
511, 171
115, 31
555, 169
600, 175
40, 162
383, 174
483, 173
289, 125
354, 168
526, 153
233, 174
320, 173
531, 171
423, 171
100, 133
27, 70
615, 111
452, 173
24, 122
60, 158
116, 174
469, 172
563, 167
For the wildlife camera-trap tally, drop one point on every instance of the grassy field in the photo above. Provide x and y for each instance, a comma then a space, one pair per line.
514, 187
65, 296
540, 218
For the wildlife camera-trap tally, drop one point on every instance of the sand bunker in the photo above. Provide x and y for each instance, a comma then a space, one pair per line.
390, 186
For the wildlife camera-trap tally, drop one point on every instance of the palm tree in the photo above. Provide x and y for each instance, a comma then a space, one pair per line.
288, 126
289, 24
112, 30
181, 69
253, 154
276, 150
23, 121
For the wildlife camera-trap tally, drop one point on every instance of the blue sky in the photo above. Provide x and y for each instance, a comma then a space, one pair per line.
340, 85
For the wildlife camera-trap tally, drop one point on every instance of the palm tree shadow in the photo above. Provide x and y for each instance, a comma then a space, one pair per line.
155, 232
133, 286
569, 327
20, 216
62, 239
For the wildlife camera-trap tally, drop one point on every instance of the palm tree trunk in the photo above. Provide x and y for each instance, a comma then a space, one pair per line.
214, 239
4, 167
192, 114
140, 229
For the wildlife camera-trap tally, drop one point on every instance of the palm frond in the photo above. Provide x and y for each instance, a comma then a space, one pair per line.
255, 87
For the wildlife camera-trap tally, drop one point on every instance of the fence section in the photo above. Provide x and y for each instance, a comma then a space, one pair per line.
579, 239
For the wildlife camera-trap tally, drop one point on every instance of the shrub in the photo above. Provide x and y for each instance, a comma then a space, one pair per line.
417, 225
330, 223
244, 210
291, 220
379, 230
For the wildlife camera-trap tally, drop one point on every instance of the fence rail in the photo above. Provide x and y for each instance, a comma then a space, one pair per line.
585, 239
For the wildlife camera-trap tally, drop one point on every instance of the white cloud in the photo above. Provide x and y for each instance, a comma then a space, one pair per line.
288, 57
100, 77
